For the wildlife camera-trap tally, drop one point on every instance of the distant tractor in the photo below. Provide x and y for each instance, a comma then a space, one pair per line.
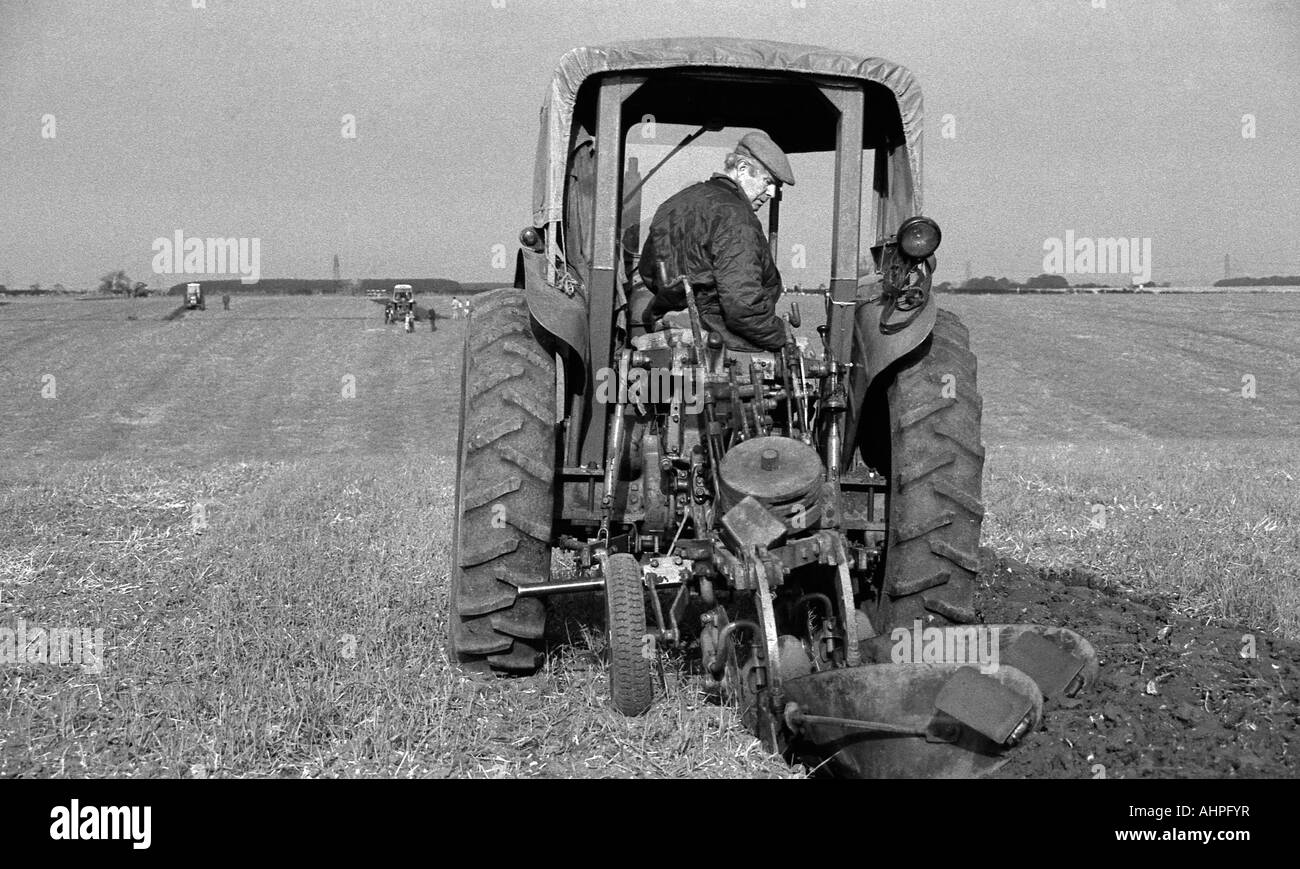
194, 297
401, 307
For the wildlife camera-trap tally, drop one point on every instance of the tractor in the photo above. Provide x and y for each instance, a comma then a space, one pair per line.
400, 308
805, 521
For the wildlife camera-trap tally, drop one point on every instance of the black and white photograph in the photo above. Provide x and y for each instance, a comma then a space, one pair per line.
651, 389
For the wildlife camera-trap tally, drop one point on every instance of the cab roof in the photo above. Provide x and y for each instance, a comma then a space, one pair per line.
769, 97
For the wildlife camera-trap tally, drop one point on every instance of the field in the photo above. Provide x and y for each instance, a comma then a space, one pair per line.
254, 507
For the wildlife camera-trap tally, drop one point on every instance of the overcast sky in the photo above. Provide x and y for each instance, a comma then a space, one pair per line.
225, 121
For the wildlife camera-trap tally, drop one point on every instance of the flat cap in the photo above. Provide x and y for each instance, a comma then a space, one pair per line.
760, 146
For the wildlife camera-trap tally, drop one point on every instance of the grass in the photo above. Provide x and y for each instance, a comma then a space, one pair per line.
299, 633
1121, 440
1213, 527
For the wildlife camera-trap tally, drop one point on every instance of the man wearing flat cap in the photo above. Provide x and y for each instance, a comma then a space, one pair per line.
710, 233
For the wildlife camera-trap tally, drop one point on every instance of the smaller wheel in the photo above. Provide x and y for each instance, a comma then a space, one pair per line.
630, 689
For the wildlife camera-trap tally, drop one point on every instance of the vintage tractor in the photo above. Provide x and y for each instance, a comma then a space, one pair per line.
194, 297
807, 521
401, 307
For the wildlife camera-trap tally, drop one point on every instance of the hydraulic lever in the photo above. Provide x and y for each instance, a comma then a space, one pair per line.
712, 431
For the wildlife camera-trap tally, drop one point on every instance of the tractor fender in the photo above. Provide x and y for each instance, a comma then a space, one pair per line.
561, 313
875, 348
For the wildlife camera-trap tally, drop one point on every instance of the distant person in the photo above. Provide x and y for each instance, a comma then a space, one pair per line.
225, 301
455, 308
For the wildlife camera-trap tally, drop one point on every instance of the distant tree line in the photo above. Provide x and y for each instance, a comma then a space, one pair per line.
34, 290
1038, 283
117, 283
1271, 281
315, 287
114, 283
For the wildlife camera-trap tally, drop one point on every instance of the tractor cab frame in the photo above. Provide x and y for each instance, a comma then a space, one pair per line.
574, 262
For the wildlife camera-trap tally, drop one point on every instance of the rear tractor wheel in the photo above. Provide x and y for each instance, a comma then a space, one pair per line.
505, 488
935, 466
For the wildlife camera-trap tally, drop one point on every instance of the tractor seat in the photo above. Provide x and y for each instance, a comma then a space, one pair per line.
641, 321
673, 328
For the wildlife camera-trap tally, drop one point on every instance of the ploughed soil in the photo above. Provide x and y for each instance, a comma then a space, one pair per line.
1175, 697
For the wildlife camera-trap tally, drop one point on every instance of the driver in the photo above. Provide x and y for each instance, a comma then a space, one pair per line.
710, 233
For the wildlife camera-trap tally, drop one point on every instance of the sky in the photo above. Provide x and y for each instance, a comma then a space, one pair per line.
1174, 121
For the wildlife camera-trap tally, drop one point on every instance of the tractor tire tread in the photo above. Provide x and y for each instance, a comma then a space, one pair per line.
505, 488
630, 688
937, 460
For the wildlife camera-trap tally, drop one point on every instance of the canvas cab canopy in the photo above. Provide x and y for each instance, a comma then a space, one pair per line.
757, 83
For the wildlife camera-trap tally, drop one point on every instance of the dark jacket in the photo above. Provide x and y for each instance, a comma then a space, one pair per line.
709, 233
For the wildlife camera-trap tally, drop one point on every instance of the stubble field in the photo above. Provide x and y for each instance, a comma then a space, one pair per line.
254, 506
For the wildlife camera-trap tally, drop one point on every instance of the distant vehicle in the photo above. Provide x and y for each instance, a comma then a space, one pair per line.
401, 307
194, 297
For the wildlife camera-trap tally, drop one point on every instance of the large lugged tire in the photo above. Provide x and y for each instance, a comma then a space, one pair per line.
936, 465
505, 488
630, 689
